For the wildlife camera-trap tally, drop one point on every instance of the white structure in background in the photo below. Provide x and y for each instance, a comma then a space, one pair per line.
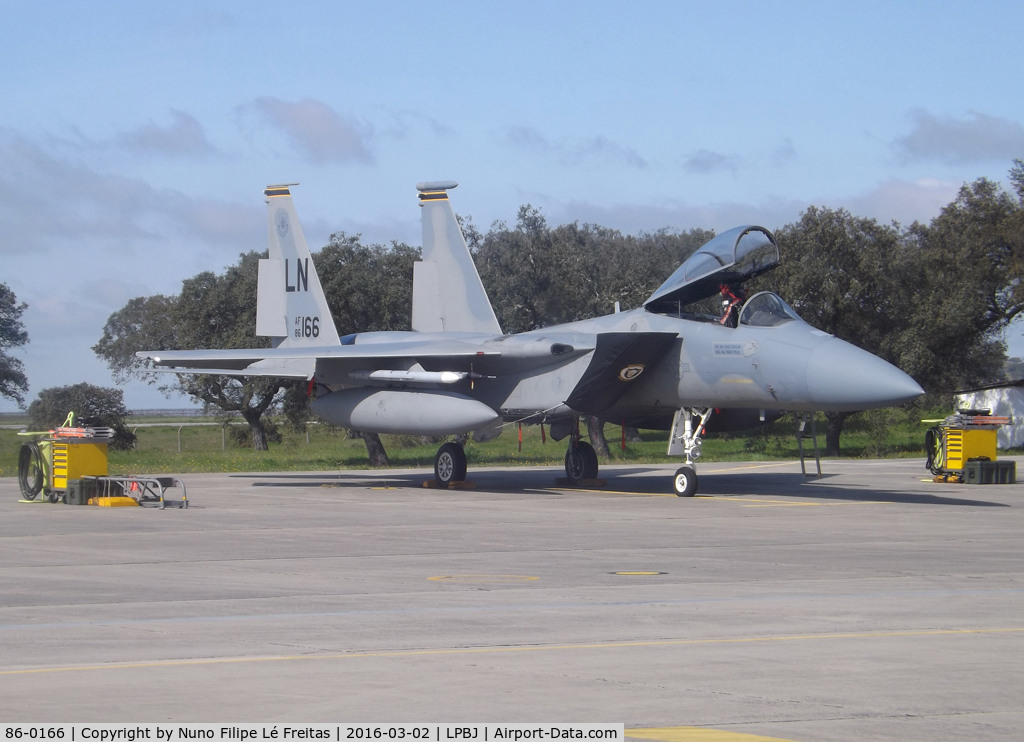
1005, 398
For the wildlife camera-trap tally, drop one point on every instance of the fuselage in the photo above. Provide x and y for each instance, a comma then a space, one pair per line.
788, 365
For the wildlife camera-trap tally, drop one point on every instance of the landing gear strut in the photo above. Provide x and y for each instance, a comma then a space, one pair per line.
685, 440
450, 464
580, 458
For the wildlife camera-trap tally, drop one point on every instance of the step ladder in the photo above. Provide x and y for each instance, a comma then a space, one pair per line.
801, 434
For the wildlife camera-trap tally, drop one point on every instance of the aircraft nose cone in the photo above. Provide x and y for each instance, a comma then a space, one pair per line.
842, 377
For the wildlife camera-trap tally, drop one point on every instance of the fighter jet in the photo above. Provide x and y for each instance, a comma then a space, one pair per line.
660, 366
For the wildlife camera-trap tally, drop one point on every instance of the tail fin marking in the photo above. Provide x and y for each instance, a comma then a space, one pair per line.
291, 307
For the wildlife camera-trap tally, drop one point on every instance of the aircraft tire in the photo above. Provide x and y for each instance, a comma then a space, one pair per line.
450, 464
581, 462
592, 463
685, 481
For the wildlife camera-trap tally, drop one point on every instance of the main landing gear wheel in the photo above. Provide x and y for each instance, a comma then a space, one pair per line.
581, 462
450, 464
685, 481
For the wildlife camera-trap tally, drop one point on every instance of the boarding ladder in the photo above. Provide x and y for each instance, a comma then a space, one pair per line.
801, 435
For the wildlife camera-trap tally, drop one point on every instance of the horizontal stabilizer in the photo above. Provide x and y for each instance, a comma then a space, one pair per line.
619, 360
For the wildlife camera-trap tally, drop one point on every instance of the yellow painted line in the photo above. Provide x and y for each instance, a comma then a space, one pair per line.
619, 492
740, 498
752, 466
634, 574
783, 505
815, 504
483, 578
737, 381
699, 472
672, 494
698, 734
504, 650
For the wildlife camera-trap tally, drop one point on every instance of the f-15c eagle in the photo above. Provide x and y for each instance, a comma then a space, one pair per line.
658, 366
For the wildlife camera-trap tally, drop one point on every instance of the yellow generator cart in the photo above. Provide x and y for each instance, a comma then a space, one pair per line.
963, 449
59, 457
69, 464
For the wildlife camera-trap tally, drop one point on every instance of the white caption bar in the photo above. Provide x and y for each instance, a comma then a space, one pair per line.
167, 732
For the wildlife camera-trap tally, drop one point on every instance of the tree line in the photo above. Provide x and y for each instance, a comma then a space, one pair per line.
931, 298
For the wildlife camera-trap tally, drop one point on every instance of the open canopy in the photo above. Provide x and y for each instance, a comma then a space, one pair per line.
734, 256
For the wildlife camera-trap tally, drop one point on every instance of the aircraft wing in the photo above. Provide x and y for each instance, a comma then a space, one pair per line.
300, 362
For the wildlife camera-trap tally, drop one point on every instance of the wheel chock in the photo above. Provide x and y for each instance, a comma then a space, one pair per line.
566, 482
433, 484
113, 502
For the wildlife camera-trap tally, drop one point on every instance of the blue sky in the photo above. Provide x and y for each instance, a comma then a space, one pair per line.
136, 138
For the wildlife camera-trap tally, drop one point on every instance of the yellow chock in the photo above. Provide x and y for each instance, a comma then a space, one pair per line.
113, 502
433, 484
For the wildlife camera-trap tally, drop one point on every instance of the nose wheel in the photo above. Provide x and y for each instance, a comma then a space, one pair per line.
685, 440
685, 481
450, 464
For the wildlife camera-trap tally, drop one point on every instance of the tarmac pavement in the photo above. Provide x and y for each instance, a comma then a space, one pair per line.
867, 604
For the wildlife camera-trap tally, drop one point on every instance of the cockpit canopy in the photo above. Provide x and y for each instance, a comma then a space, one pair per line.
734, 256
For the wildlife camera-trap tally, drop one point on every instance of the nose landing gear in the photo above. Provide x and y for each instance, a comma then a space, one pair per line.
685, 441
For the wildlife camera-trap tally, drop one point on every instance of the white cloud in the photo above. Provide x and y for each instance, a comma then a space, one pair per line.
406, 122
77, 243
893, 200
598, 150
979, 137
184, 136
783, 154
318, 131
48, 201
903, 201
678, 215
705, 162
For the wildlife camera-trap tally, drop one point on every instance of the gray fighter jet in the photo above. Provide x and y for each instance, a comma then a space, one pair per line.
658, 366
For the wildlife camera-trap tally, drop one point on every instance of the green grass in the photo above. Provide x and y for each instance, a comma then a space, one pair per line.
880, 433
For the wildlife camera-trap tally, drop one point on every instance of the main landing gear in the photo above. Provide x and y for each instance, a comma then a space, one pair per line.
580, 458
581, 461
450, 464
685, 440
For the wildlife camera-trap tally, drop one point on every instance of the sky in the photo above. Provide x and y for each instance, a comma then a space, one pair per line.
136, 138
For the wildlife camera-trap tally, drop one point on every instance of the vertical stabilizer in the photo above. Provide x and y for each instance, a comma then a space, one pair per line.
447, 294
291, 307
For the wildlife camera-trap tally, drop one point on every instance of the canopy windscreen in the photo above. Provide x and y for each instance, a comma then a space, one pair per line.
734, 256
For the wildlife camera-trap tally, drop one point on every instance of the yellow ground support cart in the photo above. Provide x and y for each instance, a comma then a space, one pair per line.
69, 464
963, 449
59, 456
